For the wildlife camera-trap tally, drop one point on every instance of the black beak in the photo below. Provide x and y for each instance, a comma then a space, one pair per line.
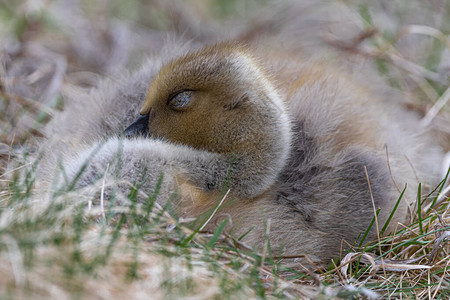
138, 128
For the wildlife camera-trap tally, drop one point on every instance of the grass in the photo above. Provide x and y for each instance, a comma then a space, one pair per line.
60, 247
74, 244
77, 248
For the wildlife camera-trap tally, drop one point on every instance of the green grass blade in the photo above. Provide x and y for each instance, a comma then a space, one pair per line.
368, 228
203, 224
247, 232
393, 211
217, 233
419, 207
441, 186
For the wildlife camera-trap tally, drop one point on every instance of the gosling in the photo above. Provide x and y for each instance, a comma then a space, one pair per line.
301, 149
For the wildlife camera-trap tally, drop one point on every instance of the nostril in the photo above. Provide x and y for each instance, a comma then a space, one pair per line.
138, 128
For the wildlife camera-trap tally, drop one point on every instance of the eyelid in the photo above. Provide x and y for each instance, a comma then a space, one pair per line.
174, 95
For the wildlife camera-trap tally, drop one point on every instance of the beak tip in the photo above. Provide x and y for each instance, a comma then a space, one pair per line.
138, 128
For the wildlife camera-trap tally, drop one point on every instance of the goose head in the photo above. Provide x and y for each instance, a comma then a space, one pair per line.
220, 100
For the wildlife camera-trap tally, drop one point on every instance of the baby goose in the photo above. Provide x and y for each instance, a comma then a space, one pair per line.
215, 132
308, 167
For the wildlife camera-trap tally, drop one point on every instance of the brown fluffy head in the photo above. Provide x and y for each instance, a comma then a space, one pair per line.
216, 99
219, 100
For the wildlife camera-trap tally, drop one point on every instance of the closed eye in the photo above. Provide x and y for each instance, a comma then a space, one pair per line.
180, 100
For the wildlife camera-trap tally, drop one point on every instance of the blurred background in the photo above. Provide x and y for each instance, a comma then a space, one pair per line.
50, 46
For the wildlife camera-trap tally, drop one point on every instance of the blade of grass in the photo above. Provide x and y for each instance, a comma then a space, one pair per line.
70, 186
393, 211
247, 232
217, 233
441, 186
419, 207
413, 240
199, 228
368, 228
152, 198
